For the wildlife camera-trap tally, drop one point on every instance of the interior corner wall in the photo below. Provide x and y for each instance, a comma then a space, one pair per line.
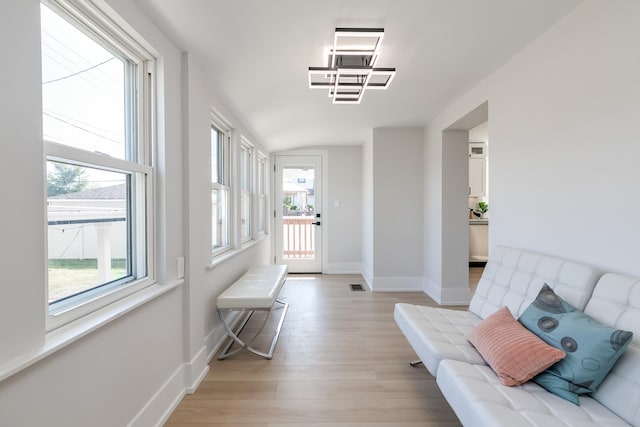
564, 142
367, 210
455, 219
398, 206
433, 167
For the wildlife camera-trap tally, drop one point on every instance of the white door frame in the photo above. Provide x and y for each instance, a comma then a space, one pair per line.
322, 230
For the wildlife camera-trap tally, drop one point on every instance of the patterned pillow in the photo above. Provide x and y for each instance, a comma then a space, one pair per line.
514, 353
592, 348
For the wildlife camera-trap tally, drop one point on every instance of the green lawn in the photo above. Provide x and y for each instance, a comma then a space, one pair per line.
70, 276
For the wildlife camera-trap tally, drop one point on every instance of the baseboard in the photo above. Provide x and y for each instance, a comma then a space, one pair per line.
396, 284
343, 268
184, 380
453, 296
456, 296
218, 336
366, 275
196, 370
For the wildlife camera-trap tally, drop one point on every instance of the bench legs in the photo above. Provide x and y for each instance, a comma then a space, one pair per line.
247, 346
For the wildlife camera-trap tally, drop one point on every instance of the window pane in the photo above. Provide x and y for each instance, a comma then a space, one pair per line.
245, 219
83, 89
219, 228
88, 228
215, 156
245, 168
262, 208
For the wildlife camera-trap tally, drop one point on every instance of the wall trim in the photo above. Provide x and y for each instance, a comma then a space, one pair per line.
396, 284
432, 289
447, 296
367, 276
164, 401
343, 268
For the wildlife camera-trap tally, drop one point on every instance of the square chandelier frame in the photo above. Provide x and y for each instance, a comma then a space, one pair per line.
351, 66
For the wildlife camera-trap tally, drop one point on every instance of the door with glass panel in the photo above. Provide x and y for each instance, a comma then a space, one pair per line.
298, 218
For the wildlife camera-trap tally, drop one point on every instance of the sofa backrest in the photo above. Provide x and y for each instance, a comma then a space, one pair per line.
616, 303
513, 278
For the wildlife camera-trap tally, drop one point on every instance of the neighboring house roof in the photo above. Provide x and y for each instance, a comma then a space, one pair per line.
290, 187
113, 192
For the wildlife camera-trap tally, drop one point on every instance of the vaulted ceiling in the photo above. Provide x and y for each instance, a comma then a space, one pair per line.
257, 52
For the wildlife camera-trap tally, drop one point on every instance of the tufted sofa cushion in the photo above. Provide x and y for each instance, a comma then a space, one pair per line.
479, 399
513, 278
438, 333
616, 302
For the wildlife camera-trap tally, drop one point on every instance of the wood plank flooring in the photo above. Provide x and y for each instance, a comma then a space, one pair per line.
341, 361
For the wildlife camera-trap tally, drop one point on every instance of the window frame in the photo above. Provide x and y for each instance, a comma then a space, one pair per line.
246, 189
262, 193
137, 165
224, 174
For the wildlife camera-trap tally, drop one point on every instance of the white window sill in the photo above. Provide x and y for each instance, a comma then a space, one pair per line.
72, 332
227, 255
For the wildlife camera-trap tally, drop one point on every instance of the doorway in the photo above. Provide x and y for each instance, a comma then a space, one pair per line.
454, 280
298, 239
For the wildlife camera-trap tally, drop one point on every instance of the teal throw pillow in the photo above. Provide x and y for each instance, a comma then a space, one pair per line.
591, 348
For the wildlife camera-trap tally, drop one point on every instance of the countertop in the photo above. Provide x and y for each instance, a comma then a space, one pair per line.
478, 221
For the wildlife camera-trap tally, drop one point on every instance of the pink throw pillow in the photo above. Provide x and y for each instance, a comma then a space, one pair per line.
513, 352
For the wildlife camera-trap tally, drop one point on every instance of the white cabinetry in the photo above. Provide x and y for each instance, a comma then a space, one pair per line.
478, 241
478, 177
477, 150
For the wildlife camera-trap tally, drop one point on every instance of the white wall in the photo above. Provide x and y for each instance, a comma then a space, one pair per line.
344, 233
131, 361
564, 160
22, 244
127, 367
208, 281
564, 143
367, 209
397, 208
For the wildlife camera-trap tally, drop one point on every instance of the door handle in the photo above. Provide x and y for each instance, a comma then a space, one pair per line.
315, 223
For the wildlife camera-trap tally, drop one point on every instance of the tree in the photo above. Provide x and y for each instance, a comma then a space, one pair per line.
64, 179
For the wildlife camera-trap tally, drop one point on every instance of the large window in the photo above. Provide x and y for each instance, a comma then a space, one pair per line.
246, 186
220, 204
96, 112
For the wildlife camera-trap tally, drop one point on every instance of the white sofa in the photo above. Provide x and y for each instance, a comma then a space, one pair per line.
513, 278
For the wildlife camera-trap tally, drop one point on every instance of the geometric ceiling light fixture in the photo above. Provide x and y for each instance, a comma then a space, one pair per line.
351, 67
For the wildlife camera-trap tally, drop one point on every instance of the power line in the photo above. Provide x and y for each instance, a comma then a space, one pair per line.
78, 72
101, 131
82, 128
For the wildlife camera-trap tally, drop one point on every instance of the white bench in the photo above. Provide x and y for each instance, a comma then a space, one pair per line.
257, 289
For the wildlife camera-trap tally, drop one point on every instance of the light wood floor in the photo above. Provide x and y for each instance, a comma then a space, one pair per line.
341, 361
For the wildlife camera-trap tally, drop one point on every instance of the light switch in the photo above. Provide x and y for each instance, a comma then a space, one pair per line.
336, 203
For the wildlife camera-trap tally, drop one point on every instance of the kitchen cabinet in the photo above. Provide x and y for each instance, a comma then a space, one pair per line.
478, 177
478, 241
477, 150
